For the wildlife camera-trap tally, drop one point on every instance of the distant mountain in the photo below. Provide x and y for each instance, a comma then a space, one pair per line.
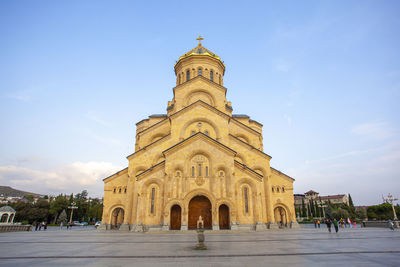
6, 191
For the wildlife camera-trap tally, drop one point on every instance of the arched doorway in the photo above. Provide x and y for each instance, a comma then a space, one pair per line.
280, 216
117, 218
4, 218
200, 205
223, 212
175, 223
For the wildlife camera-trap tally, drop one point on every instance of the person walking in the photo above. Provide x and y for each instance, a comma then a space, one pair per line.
335, 224
61, 225
45, 226
319, 223
40, 226
315, 223
36, 226
390, 223
328, 223
67, 225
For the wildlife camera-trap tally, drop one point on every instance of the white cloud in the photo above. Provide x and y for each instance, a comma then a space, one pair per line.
373, 130
91, 115
74, 177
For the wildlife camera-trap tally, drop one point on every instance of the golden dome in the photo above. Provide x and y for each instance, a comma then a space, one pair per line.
200, 51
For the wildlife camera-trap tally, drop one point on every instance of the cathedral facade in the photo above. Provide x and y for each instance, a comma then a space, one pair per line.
198, 159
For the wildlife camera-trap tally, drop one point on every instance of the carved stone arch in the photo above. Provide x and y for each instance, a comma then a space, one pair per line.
219, 168
240, 158
242, 182
199, 119
139, 170
156, 181
260, 170
111, 210
227, 202
158, 159
188, 162
200, 94
285, 207
244, 138
199, 192
171, 203
157, 136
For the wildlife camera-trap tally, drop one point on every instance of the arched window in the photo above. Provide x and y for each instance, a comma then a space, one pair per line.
179, 79
211, 75
277, 189
153, 192
200, 72
199, 169
246, 200
206, 171
115, 190
192, 170
220, 79
125, 190
119, 191
283, 189
187, 75
273, 190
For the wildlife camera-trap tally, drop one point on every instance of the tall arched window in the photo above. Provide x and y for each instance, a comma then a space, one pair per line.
200, 72
192, 170
153, 192
187, 75
220, 79
179, 79
206, 170
199, 169
211, 75
246, 200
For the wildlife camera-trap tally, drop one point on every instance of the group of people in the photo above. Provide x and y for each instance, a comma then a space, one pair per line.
341, 223
38, 226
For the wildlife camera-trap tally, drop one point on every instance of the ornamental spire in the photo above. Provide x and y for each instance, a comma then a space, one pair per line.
199, 39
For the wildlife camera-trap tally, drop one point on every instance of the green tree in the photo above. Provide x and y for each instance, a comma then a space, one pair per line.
351, 201
303, 209
59, 204
63, 217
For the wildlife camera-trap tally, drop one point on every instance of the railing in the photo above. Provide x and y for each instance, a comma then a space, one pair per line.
14, 228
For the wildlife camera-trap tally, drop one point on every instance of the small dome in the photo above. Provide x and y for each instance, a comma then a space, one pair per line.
200, 51
7, 209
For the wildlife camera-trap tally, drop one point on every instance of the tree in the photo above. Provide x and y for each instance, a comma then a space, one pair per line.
63, 217
303, 209
351, 201
59, 204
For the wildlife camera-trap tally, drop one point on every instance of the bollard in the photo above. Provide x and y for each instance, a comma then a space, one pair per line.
200, 235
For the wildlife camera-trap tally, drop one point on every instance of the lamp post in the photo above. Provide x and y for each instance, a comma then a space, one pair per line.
72, 208
390, 200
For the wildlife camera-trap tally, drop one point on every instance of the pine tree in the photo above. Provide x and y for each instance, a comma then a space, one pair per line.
351, 201
62, 217
303, 209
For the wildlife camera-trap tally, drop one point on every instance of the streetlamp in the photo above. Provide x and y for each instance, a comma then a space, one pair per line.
72, 208
390, 200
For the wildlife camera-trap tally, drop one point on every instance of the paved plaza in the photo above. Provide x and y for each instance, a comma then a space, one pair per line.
295, 247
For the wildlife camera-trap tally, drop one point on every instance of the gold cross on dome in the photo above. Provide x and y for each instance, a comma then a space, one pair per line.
200, 38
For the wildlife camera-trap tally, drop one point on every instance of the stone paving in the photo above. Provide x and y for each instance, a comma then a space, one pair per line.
295, 247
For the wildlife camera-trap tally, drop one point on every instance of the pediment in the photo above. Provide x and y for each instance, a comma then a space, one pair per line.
199, 81
241, 168
199, 140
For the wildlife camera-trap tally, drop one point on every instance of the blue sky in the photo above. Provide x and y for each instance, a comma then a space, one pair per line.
323, 77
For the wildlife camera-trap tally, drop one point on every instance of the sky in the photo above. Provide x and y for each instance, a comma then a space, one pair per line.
323, 77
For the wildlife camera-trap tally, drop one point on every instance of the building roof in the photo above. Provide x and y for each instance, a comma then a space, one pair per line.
311, 192
332, 196
200, 51
7, 209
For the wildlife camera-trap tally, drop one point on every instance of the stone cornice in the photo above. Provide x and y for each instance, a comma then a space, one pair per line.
253, 172
201, 77
118, 173
250, 146
199, 135
145, 147
281, 173
149, 169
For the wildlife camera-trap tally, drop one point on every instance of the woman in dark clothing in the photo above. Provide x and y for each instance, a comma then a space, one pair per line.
328, 224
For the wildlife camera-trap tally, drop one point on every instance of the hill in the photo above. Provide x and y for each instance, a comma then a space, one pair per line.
6, 191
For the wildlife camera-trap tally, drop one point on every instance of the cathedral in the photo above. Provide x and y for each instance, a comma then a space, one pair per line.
198, 159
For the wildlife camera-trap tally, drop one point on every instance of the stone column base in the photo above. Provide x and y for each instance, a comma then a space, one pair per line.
102, 226
215, 226
273, 226
260, 227
234, 226
124, 227
294, 225
165, 227
138, 228
184, 226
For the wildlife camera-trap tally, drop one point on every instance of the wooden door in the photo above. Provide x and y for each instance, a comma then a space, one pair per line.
223, 217
176, 217
200, 205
